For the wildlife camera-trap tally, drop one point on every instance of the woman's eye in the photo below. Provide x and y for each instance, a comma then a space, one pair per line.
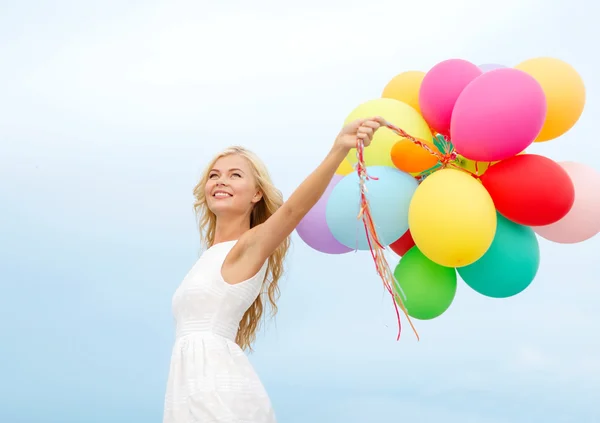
237, 175
211, 176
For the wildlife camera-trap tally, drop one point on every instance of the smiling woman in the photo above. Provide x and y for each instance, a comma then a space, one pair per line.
232, 179
245, 226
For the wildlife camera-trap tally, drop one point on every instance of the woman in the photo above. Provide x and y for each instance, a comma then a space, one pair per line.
218, 305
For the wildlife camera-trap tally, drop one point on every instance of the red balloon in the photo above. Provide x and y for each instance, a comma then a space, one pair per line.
530, 190
403, 244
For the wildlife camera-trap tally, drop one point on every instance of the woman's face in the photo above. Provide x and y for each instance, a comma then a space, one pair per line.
231, 187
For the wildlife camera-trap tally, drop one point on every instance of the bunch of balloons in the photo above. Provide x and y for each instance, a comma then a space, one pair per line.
457, 194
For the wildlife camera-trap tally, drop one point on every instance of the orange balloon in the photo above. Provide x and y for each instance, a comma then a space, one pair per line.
411, 158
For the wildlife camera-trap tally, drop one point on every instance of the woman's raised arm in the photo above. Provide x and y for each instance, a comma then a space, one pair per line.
265, 238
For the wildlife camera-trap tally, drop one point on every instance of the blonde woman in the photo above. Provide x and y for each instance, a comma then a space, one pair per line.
246, 226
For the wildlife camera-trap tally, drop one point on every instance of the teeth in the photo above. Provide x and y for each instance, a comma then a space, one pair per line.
221, 194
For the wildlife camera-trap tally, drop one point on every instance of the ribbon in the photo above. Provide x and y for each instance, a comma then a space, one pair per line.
447, 158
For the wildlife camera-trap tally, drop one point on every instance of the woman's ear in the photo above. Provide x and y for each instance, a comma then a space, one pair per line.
257, 197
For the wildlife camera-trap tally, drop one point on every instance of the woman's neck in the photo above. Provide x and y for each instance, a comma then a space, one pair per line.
231, 228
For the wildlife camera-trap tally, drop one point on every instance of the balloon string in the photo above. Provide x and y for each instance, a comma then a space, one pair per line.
445, 160
375, 246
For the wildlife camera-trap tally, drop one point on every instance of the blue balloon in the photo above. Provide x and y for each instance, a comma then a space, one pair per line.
389, 197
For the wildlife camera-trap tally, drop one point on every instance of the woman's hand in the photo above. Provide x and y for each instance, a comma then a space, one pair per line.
363, 129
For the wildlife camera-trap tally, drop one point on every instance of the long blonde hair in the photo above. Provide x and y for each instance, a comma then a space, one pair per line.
271, 200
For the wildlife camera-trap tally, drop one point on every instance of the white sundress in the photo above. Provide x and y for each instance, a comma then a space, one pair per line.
210, 377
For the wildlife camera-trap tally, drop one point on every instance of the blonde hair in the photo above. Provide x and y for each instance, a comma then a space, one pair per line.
271, 200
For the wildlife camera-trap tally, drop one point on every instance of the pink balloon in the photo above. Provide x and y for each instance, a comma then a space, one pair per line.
498, 115
583, 220
441, 87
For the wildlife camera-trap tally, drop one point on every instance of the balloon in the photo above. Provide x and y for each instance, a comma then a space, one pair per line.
411, 158
530, 190
498, 115
490, 67
441, 87
565, 94
583, 220
477, 168
405, 87
403, 244
429, 288
313, 227
452, 218
389, 197
509, 265
344, 168
398, 114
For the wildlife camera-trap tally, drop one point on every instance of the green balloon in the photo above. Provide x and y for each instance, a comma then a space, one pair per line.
509, 265
429, 287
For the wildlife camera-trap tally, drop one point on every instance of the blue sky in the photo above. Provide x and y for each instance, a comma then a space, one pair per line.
108, 113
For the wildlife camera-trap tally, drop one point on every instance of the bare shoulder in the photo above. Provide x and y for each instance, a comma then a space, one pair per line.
243, 261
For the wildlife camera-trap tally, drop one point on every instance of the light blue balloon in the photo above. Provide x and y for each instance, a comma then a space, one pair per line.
389, 197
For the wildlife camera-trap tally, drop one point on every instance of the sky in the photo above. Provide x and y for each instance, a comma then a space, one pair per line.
109, 112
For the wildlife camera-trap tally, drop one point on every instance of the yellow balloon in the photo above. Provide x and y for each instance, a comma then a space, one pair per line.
565, 94
344, 168
478, 168
405, 87
452, 218
397, 113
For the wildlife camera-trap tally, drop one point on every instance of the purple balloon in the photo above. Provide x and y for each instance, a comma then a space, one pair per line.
313, 227
490, 66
